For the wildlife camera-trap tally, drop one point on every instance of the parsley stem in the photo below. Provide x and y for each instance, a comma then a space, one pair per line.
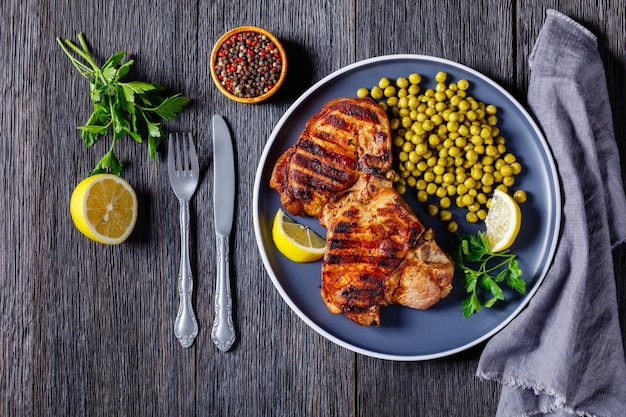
497, 266
82, 68
483, 266
84, 53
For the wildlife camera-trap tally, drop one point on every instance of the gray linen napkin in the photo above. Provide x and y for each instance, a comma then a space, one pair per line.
564, 355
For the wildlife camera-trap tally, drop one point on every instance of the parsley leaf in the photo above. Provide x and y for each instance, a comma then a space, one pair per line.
133, 108
483, 269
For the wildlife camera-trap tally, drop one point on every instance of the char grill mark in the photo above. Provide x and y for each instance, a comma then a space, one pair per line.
354, 242
342, 227
330, 168
340, 123
370, 288
306, 181
302, 194
319, 150
385, 262
365, 248
358, 112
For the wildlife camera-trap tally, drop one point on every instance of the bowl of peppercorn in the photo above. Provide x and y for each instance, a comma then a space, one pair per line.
248, 64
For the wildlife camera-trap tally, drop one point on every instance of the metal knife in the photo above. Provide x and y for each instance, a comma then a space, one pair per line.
223, 333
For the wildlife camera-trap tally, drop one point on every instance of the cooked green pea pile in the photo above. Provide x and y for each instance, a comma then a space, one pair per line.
447, 145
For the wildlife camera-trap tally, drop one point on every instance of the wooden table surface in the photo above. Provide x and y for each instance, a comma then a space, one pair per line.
86, 329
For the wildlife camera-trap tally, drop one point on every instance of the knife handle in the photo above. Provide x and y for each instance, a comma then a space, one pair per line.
223, 333
185, 326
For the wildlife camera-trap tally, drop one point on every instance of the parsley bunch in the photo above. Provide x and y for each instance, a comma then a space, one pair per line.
133, 108
485, 269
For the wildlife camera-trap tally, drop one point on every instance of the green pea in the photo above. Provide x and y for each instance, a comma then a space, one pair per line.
376, 93
445, 215
520, 196
415, 78
463, 84
389, 91
471, 217
452, 227
414, 89
432, 209
441, 77
402, 82
362, 92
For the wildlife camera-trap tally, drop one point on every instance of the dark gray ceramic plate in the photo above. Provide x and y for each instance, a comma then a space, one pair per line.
408, 334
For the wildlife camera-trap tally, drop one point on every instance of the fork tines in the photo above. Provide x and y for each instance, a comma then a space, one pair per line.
182, 157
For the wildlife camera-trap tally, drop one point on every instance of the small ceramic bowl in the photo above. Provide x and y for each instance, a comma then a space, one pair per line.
248, 64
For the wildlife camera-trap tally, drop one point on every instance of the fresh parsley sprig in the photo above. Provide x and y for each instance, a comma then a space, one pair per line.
133, 108
485, 269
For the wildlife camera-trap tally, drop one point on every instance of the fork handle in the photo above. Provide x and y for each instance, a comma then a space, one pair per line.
223, 333
185, 326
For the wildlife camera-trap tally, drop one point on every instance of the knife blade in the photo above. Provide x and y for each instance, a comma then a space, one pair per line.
223, 332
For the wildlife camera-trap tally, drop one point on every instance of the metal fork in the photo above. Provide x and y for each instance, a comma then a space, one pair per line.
183, 169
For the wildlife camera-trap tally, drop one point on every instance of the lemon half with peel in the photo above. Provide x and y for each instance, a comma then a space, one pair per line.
503, 222
296, 241
104, 208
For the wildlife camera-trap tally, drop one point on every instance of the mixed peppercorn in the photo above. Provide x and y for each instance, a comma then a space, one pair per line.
248, 64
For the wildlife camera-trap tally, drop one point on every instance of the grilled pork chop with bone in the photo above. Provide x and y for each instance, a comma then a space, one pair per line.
377, 251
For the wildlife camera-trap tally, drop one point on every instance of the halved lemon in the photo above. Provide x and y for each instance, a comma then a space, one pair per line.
296, 241
503, 222
104, 208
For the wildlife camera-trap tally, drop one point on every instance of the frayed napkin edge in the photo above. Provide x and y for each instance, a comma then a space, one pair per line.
553, 13
558, 402
571, 21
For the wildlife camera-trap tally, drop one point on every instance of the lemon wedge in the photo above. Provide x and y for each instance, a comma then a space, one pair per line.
297, 242
104, 208
503, 222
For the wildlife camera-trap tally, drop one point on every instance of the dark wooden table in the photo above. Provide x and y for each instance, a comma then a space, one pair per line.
86, 329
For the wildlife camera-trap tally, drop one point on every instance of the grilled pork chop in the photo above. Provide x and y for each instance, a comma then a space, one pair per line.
346, 138
377, 251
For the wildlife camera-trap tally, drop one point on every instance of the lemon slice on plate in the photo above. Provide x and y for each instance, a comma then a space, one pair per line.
503, 222
104, 208
297, 242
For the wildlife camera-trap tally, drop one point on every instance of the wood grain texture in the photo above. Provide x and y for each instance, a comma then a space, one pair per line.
87, 329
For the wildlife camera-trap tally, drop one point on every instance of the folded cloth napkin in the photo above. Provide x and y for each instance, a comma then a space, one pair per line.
564, 355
